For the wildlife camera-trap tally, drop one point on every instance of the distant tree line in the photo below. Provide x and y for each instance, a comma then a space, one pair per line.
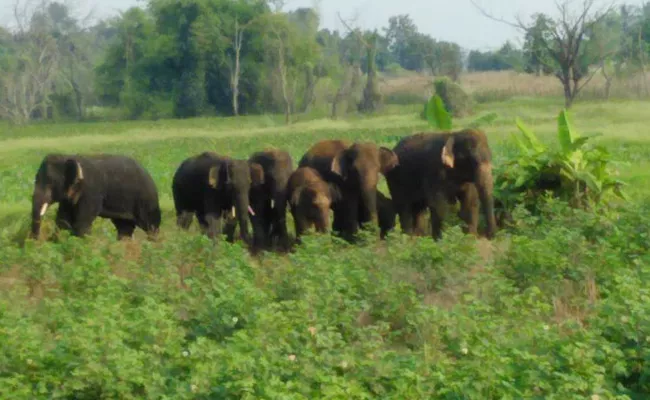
187, 58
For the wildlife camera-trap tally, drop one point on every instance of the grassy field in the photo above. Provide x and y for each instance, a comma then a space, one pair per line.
556, 307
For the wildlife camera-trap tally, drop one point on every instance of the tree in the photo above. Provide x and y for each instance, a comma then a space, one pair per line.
564, 42
29, 73
372, 98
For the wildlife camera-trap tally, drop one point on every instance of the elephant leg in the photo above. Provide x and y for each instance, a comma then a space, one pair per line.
279, 226
150, 222
184, 219
64, 216
469, 208
83, 215
438, 208
337, 223
418, 213
125, 228
229, 229
211, 224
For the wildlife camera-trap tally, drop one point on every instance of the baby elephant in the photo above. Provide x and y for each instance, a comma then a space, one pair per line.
310, 198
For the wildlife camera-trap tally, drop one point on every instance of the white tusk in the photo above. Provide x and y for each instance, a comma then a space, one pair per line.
43, 209
250, 210
272, 203
232, 212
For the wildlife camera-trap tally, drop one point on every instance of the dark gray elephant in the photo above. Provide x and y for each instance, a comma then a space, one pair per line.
90, 186
353, 170
438, 168
269, 200
215, 188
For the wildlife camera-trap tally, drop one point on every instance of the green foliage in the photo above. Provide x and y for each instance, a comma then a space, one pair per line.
456, 101
576, 173
438, 117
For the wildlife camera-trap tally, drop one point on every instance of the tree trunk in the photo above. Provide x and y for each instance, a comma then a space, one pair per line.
371, 95
235, 70
343, 90
310, 86
282, 71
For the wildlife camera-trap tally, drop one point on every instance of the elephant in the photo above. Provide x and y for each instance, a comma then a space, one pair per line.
436, 169
353, 170
310, 199
269, 199
90, 186
215, 188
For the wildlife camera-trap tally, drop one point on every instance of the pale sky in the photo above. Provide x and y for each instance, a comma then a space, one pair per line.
453, 20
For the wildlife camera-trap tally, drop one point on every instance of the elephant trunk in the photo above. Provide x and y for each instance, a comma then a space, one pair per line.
368, 206
41, 199
485, 191
244, 211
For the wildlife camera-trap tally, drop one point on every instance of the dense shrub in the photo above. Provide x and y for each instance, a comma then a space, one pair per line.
458, 103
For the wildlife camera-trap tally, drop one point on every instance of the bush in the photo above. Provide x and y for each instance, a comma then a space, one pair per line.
456, 101
576, 173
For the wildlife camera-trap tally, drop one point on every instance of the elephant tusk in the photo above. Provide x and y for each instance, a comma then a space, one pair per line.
250, 210
272, 203
43, 209
232, 212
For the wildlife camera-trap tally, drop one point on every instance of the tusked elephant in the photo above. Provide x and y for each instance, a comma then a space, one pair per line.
90, 186
215, 188
269, 199
310, 199
438, 168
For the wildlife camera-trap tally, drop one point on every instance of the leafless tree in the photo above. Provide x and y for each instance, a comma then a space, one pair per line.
25, 87
566, 45
371, 100
234, 64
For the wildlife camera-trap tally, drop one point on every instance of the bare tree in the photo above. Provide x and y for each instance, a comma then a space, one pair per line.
566, 45
372, 98
234, 63
26, 86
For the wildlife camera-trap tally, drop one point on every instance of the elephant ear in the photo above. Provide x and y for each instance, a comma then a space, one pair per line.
73, 177
257, 174
447, 155
387, 160
213, 176
217, 174
338, 165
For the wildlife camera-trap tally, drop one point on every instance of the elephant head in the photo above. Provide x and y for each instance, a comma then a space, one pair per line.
236, 178
311, 206
59, 178
467, 157
359, 167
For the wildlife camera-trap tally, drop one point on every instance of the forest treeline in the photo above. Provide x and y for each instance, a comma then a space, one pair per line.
186, 58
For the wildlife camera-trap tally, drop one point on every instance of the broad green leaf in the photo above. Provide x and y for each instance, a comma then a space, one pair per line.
522, 146
533, 141
591, 181
483, 120
579, 142
437, 115
565, 132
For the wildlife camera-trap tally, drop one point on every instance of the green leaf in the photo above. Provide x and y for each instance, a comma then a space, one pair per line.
591, 181
533, 141
437, 114
483, 120
566, 135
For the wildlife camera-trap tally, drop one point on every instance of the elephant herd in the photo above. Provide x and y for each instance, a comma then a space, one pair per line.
423, 171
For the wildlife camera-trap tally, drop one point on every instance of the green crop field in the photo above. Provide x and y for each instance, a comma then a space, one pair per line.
556, 307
